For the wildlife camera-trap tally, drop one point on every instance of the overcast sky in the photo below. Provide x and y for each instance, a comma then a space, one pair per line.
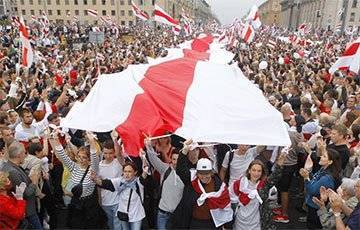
227, 10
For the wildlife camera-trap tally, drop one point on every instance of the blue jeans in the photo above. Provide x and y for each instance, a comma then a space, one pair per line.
112, 219
131, 225
162, 219
34, 222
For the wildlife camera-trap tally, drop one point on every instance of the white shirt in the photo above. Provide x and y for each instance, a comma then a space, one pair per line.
136, 209
109, 171
239, 163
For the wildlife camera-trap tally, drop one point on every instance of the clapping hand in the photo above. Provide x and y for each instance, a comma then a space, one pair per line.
19, 191
304, 173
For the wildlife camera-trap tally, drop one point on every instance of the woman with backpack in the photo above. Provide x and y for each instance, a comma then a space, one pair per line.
130, 189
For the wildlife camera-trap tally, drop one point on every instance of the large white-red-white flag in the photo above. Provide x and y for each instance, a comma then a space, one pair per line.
161, 16
139, 13
174, 93
248, 33
254, 17
350, 60
27, 55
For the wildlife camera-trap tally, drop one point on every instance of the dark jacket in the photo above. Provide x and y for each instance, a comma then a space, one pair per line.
182, 216
18, 175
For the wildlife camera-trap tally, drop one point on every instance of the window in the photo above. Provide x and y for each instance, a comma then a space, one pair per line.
354, 4
49, 2
104, 12
57, 2
153, 2
40, 12
76, 12
103, 2
22, 2
39, 2
113, 13
352, 17
129, 2
85, 12
94, 2
130, 23
66, 2
85, 2
76, 2
130, 13
31, 2
141, 2
123, 23
68, 21
122, 12
32, 12
58, 12
122, 2
49, 12
23, 12
112, 2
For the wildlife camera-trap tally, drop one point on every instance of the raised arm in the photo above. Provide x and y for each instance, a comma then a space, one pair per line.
160, 166
60, 152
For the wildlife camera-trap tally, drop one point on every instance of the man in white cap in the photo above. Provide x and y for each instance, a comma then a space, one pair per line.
205, 198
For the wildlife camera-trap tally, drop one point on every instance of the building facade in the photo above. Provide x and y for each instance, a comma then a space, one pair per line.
322, 14
270, 12
8, 7
63, 11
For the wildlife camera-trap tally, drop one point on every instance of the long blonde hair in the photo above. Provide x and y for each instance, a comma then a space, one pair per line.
3, 180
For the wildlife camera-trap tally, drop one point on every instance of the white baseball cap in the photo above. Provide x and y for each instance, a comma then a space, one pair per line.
203, 164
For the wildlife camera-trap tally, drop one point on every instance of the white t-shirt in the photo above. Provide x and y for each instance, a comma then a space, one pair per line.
239, 163
109, 171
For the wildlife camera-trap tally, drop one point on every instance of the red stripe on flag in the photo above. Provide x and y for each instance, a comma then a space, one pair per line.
168, 18
25, 56
162, 103
248, 34
352, 50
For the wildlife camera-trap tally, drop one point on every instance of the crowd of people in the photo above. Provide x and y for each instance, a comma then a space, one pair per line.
175, 183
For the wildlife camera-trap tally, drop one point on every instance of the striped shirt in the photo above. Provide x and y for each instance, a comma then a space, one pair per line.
76, 172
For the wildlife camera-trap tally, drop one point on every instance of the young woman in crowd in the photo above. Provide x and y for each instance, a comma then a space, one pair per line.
327, 176
84, 209
252, 191
130, 190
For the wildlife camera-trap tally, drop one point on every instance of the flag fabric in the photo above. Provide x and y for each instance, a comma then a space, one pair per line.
96, 29
254, 18
92, 13
271, 44
176, 30
248, 33
139, 13
75, 18
27, 55
350, 60
15, 21
175, 92
33, 17
187, 28
161, 16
